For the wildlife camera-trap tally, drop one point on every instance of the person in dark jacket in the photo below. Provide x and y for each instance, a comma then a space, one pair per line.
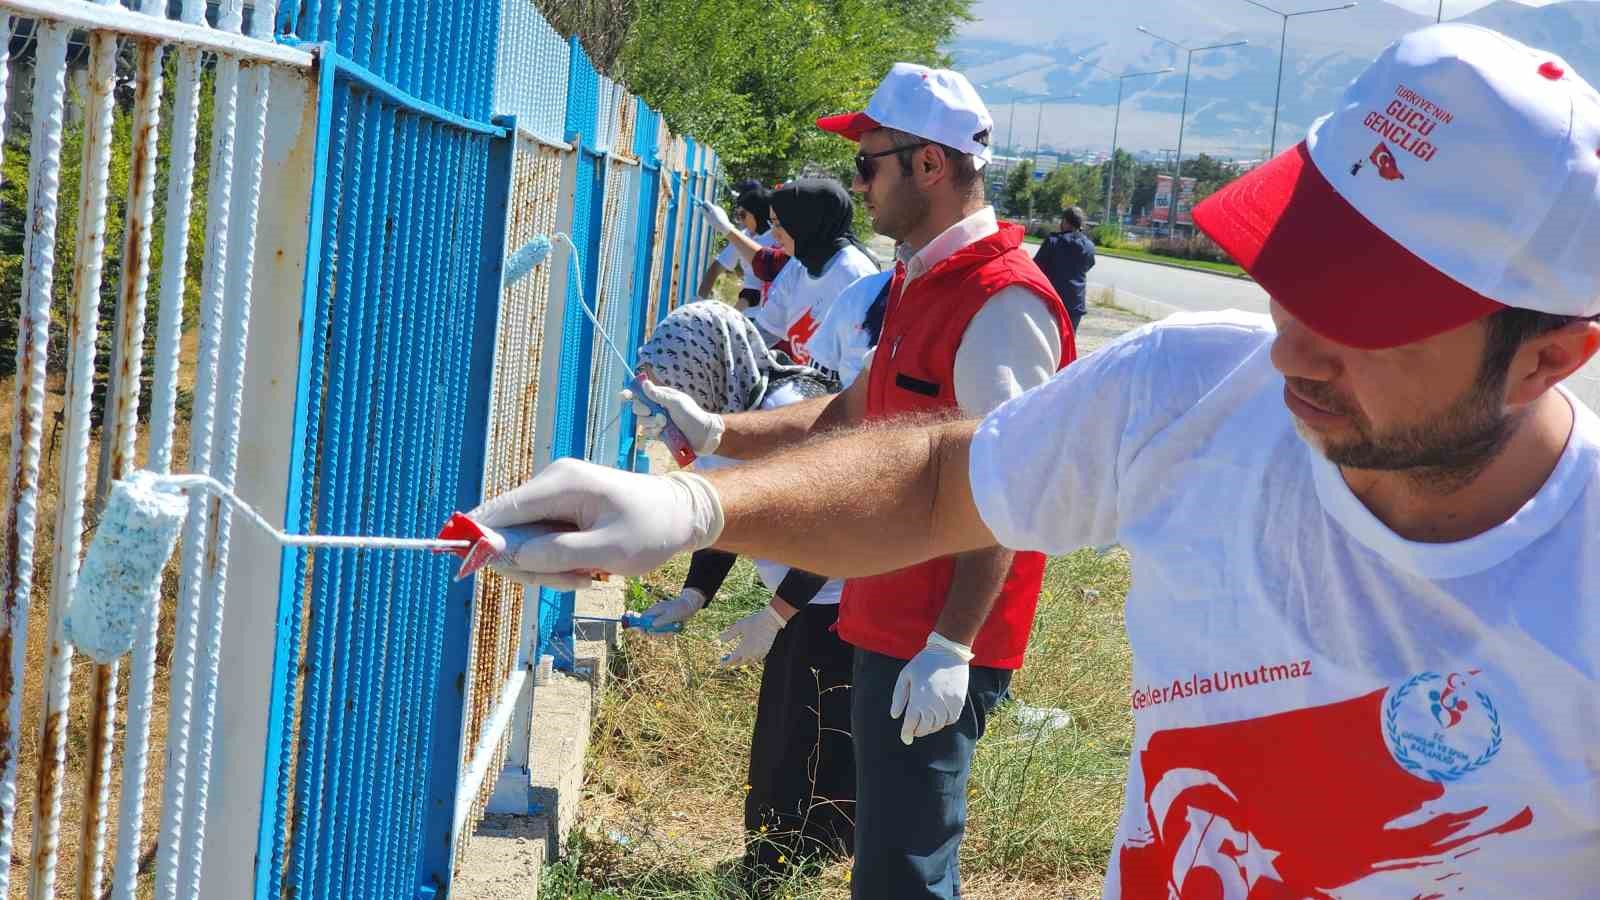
1066, 258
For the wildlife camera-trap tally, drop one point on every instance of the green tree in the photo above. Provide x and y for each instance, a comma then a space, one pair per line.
1127, 171
1209, 174
14, 200
1144, 188
750, 79
1019, 189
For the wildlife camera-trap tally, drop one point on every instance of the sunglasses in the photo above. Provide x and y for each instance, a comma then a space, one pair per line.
867, 163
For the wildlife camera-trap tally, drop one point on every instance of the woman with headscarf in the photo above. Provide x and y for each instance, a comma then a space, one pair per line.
801, 785
753, 211
812, 219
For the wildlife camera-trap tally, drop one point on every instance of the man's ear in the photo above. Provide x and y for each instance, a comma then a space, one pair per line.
931, 165
1544, 361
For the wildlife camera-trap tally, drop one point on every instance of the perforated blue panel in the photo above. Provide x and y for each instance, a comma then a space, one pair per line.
386, 390
443, 53
646, 134
577, 335
531, 81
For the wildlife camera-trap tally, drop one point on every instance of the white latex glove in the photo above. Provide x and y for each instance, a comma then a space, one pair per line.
753, 636
679, 609
716, 216
601, 519
932, 689
702, 429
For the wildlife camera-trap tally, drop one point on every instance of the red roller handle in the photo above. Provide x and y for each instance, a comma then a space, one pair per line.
671, 435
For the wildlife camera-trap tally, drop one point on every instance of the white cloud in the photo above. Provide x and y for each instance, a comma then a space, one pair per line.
1454, 8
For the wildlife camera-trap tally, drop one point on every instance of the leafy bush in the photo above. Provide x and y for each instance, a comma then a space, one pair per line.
1108, 236
1197, 247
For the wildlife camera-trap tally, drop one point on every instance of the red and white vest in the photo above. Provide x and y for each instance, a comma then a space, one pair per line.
913, 370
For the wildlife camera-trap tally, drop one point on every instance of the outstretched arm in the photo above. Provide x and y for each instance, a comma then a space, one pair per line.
871, 501
862, 503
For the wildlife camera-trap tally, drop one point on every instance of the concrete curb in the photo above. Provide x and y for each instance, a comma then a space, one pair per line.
506, 853
1111, 254
1172, 265
1134, 303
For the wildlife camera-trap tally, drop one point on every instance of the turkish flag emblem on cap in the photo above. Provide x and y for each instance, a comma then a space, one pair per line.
1384, 160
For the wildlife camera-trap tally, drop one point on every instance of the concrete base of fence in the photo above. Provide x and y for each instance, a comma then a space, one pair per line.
504, 857
504, 860
593, 634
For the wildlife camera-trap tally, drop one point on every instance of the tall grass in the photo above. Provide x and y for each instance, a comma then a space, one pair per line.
663, 810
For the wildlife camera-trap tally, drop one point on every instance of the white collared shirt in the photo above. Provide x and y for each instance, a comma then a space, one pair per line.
1011, 345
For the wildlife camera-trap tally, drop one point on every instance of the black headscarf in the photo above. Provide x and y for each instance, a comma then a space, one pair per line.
818, 214
757, 202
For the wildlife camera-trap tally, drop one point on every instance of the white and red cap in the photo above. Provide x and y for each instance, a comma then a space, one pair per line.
1460, 175
939, 105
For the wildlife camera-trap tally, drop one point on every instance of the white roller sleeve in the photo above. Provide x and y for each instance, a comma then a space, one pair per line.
120, 582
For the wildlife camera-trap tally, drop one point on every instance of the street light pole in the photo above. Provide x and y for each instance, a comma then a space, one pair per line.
1011, 128
1188, 69
1038, 129
1439, 18
1111, 177
1283, 43
1116, 124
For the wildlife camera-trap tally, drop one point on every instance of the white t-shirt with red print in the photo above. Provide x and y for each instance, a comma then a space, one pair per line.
729, 259
1321, 707
796, 303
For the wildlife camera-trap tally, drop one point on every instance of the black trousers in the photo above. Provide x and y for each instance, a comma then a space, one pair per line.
911, 802
802, 763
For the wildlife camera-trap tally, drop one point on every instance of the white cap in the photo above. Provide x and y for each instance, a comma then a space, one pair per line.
940, 105
1459, 175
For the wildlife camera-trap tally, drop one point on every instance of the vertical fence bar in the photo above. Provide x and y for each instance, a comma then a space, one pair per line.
33, 333
116, 455
365, 594
340, 519
163, 416
287, 705
479, 282
319, 443
83, 331
243, 210
402, 518
196, 536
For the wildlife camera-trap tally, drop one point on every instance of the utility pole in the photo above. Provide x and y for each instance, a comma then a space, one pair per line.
1283, 42
1188, 69
1116, 123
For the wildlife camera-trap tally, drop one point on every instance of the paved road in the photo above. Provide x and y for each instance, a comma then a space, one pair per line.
1182, 288
1137, 283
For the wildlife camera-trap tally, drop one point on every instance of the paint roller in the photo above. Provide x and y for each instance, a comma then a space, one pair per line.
534, 252
119, 583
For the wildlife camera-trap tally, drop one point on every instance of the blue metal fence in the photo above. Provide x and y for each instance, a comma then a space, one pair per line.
386, 671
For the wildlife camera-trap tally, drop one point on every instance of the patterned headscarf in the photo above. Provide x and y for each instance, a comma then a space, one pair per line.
713, 353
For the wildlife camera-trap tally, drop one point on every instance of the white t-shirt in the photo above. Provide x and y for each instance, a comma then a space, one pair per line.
842, 341
772, 574
1318, 703
729, 259
796, 303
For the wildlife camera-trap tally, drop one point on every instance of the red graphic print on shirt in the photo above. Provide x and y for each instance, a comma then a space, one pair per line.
801, 331
1301, 803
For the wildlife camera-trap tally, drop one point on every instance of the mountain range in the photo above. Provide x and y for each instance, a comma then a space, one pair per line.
1035, 64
